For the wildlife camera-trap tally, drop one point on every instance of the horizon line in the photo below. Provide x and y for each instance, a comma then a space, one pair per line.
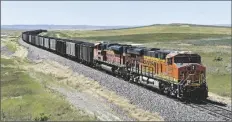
116, 25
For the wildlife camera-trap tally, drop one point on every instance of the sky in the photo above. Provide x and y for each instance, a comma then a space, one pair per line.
111, 13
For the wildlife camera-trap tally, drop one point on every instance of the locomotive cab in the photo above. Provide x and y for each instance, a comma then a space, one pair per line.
189, 72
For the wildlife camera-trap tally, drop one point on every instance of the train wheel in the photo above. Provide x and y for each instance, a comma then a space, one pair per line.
161, 88
167, 92
131, 79
203, 96
126, 77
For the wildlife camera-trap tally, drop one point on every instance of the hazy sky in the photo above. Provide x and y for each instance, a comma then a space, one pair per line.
115, 12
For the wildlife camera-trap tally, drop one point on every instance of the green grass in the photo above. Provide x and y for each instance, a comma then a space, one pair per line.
12, 33
6, 61
11, 46
24, 98
149, 30
223, 42
153, 37
11, 41
157, 33
219, 83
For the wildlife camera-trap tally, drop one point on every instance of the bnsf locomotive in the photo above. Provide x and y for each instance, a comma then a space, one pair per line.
176, 73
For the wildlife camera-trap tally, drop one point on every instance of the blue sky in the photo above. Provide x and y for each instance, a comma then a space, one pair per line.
108, 13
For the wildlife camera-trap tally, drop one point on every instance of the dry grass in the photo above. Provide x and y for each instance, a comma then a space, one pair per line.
66, 76
218, 98
23, 98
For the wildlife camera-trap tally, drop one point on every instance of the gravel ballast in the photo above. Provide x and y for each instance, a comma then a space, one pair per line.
168, 108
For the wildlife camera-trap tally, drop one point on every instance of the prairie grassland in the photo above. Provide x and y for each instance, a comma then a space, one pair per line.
24, 98
65, 77
140, 38
151, 29
147, 34
209, 42
11, 45
11, 33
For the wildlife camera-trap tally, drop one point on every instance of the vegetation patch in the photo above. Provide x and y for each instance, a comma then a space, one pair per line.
146, 34
219, 42
23, 98
11, 45
153, 37
67, 78
219, 83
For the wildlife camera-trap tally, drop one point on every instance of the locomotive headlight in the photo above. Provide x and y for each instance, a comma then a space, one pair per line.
193, 67
188, 81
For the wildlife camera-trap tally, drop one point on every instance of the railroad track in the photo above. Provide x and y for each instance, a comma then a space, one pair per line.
213, 109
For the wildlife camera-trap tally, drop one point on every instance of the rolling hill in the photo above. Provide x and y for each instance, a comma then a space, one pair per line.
151, 33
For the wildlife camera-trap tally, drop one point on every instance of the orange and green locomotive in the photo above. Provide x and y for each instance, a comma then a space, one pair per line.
176, 73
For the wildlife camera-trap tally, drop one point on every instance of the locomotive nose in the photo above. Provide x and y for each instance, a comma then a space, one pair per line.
191, 68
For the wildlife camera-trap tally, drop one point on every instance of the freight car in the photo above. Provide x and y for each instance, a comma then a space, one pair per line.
176, 73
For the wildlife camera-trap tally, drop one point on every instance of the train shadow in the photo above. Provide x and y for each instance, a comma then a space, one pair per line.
216, 102
204, 102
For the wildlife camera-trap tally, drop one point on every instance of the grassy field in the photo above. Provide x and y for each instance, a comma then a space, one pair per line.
147, 34
11, 45
24, 98
209, 42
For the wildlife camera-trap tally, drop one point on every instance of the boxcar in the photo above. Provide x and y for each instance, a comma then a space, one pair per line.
41, 41
83, 51
53, 44
33, 39
70, 48
60, 46
91, 51
25, 37
46, 42
78, 49
37, 40
29, 38
86, 52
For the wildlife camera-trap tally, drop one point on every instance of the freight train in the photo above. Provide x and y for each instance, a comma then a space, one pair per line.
176, 73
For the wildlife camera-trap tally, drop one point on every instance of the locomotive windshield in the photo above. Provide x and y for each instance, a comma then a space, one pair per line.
187, 58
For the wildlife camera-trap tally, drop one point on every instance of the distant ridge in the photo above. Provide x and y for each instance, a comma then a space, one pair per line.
224, 25
173, 24
220, 25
